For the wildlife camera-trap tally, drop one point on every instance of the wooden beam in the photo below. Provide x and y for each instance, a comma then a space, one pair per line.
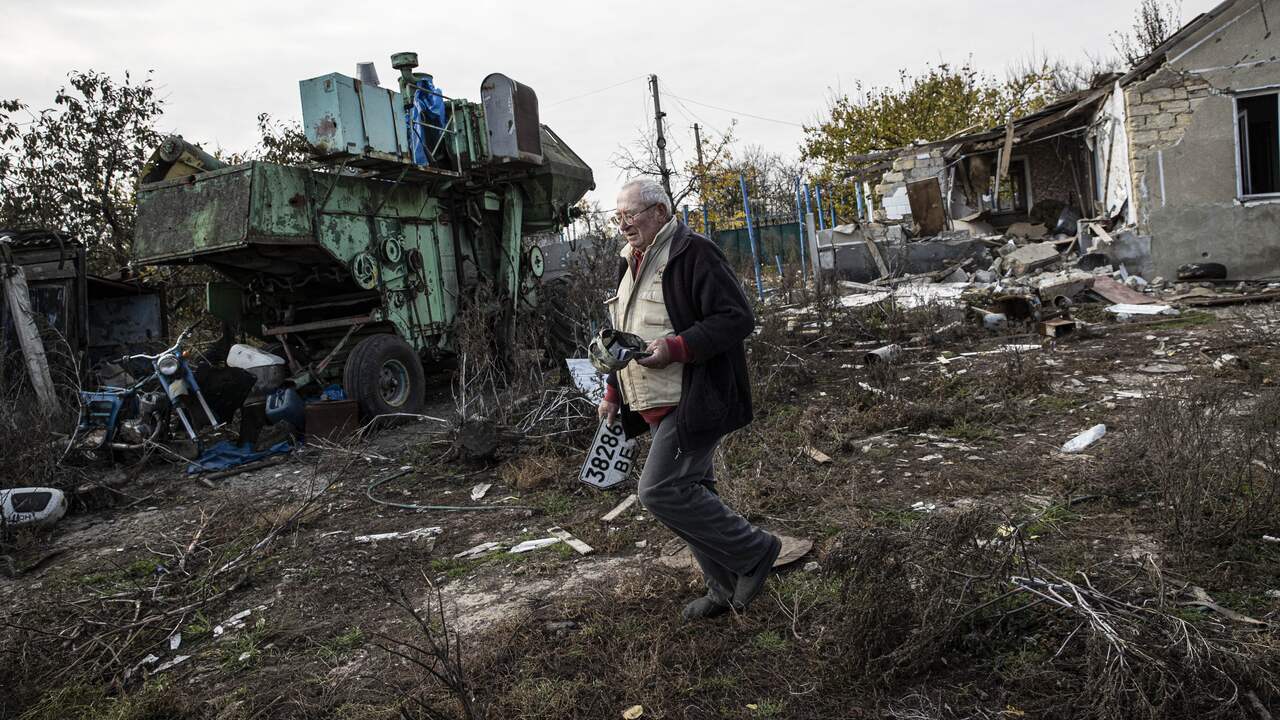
875, 255
19, 301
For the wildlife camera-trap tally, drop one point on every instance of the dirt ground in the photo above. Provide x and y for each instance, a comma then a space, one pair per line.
940, 482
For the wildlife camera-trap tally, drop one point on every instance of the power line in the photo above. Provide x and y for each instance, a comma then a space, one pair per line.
597, 92
737, 112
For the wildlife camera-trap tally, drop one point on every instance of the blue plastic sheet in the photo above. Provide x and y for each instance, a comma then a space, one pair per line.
333, 392
227, 454
428, 108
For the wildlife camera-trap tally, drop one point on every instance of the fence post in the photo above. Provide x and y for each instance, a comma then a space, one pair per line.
800, 232
751, 235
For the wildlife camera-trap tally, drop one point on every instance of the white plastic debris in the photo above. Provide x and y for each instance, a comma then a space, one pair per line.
528, 545
403, 535
32, 506
1124, 309
247, 357
479, 491
478, 551
922, 506
1085, 439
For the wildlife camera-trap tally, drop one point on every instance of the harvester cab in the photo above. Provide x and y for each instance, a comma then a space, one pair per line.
356, 265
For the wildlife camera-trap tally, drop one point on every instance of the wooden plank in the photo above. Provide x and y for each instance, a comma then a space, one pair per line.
925, 197
875, 255
573, 542
1117, 293
621, 508
19, 301
1099, 234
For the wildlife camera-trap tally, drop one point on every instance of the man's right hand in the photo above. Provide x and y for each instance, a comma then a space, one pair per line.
607, 411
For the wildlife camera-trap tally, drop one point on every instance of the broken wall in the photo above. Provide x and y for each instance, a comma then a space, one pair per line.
908, 169
1059, 174
1183, 148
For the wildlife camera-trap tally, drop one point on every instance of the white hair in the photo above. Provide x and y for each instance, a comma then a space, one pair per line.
650, 191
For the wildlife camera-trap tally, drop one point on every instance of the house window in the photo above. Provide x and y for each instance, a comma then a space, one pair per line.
1258, 137
1015, 189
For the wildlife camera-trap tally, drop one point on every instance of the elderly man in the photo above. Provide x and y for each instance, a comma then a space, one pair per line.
677, 291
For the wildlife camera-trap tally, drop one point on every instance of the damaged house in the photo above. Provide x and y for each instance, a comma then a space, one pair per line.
1179, 158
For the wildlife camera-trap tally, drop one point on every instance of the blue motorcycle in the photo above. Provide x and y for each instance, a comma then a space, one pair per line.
129, 414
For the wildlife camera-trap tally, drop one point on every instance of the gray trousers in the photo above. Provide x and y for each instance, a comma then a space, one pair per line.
677, 486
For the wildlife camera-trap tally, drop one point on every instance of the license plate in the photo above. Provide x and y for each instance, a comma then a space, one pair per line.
610, 459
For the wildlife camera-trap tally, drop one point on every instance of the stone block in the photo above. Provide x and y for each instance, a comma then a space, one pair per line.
1183, 120
1159, 122
904, 163
893, 177
1175, 106
1145, 137
1140, 109
1157, 95
1173, 135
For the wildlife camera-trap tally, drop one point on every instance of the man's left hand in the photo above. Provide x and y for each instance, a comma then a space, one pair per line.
661, 356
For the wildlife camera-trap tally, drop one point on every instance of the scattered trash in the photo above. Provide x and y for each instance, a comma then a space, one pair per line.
1085, 439
32, 506
235, 622
642, 544
171, 663
812, 566
175, 641
620, 508
478, 551
1228, 361
886, 354
633, 712
580, 547
1270, 538
478, 492
922, 506
1162, 368
427, 532
1124, 310
528, 545
817, 455
1200, 598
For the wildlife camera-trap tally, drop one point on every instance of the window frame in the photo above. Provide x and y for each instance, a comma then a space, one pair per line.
1235, 130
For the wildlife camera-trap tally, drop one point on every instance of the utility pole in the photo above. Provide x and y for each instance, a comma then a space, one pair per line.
662, 139
702, 179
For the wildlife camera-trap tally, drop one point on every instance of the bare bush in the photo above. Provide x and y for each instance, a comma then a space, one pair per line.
1213, 459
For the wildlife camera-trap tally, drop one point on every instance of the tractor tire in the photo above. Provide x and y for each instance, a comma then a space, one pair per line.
385, 376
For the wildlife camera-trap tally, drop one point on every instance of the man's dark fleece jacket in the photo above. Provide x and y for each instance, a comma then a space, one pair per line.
712, 316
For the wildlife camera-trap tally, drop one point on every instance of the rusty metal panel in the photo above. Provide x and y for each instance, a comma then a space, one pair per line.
925, 197
281, 204
180, 219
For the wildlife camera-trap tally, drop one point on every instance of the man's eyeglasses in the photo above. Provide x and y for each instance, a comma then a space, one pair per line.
626, 218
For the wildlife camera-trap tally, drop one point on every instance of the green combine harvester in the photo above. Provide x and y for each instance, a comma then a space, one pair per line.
356, 266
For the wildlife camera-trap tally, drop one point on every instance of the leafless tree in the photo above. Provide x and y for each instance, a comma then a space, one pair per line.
1153, 23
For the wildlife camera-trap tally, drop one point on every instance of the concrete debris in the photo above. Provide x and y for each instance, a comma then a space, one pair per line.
478, 492
1031, 257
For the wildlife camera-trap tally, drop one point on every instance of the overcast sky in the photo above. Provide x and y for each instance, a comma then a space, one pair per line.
219, 64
